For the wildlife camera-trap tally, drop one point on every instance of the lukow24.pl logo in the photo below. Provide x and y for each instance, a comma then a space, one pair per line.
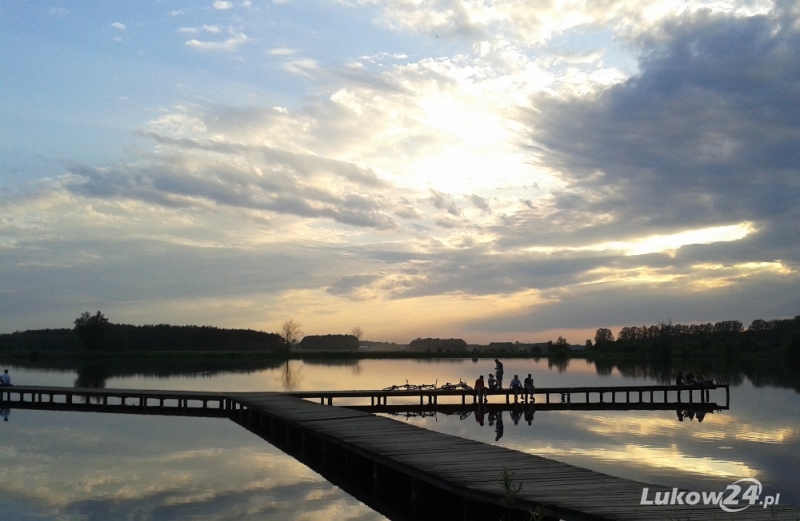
736, 497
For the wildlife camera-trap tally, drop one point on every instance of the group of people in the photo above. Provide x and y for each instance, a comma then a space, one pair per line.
690, 379
691, 415
495, 382
496, 417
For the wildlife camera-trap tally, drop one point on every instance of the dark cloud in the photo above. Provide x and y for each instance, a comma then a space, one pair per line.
708, 133
279, 190
445, 203
49, 275
624, 304
347, 286
480, 203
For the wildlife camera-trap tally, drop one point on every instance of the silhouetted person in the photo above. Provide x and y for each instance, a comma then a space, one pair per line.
690, 415
5, 414
516, 387
498, 371
5, 379
529, 412
479, 413
689, 378
492, 383
679, 378
498, 429
680, 415
480, 390
528, 387
516, 413
701, 415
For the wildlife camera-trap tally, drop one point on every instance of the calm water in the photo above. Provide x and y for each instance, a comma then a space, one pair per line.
81, 466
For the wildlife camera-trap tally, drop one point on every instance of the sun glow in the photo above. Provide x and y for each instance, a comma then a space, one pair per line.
665, 243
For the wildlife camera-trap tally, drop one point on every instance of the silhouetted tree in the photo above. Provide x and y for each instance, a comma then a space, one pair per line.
291, 332
357, 332
603, 335
91, 329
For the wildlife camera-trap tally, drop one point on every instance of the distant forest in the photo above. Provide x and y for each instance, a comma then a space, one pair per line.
149, 338
777, 342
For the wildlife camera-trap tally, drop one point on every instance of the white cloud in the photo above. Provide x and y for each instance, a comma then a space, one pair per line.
302, 67
281, 51
230, 44
221, 5
118, 25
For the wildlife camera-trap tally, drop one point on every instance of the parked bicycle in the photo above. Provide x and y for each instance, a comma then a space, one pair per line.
411, 387
460, 385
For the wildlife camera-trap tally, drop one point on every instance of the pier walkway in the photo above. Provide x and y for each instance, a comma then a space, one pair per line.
404, 472
677, 395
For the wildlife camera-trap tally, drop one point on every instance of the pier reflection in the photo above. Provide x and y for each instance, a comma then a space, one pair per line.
493, 412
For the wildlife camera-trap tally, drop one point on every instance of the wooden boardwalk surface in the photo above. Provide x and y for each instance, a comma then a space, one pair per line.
472, 469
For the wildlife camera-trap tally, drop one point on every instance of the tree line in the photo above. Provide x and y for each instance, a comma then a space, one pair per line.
667, 329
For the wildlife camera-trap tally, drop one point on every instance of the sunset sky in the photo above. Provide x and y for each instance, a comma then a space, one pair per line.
485, 169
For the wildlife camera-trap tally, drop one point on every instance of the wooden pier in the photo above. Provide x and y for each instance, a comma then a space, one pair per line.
403, 471
677, 395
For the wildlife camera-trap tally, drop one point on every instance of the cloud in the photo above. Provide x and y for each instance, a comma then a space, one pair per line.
351, 286
445, 202
222, 5
480, 203
530, 169
231, 44
281, 51
118, 25
706, 134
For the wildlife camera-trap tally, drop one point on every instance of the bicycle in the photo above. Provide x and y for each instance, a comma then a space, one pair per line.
411, 387
460, 385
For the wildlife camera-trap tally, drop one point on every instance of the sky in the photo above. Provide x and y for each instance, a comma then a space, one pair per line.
489, 170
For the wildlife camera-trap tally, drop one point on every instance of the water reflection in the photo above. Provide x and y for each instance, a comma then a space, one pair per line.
291, 377
92, 375
759, 437
102, 466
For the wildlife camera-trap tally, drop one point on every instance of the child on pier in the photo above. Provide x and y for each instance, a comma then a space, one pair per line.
480, 390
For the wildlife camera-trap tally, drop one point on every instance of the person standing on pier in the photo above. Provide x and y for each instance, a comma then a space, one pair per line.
5, 379
498, 371
480, 390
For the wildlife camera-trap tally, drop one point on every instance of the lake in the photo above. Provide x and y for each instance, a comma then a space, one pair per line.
85, 466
